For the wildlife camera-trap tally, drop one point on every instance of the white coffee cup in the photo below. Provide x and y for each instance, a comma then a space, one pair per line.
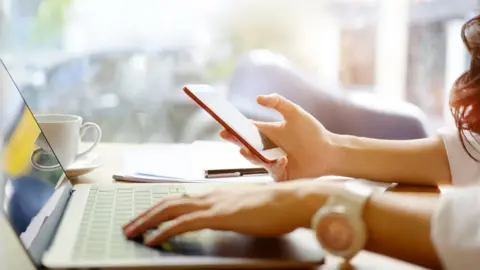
64, 134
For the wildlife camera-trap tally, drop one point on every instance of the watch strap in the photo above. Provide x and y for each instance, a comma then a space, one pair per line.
357, 192
348, 202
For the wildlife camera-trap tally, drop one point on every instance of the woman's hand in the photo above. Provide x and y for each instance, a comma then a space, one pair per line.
300, 135
269, 210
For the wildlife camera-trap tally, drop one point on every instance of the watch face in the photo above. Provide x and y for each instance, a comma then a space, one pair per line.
335, 232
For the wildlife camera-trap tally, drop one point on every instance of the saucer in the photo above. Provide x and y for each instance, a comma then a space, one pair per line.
84, 165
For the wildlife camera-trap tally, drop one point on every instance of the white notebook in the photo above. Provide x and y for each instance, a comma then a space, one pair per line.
187, 163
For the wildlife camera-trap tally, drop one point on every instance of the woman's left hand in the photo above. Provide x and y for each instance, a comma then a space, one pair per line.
269, 210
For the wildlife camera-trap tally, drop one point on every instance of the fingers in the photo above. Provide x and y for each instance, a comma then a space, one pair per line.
243, 150
278, 103
224, 134
148, 211
161, 213
250, 157
278, 169
191, 222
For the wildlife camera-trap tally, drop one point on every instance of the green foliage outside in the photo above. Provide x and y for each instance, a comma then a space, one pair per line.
50, 19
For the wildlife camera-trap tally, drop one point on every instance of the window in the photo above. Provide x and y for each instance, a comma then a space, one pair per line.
122, 63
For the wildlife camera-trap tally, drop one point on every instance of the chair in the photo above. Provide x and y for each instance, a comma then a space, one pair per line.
358, 113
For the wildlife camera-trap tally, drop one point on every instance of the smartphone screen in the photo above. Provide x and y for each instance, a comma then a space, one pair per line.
229, 114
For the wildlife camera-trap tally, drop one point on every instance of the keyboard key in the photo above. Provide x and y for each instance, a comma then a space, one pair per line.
124, 199
143, 201
123, 190
123, 203
104, 204
98, 229
106, 188
107, 209
141, 193
159, 188
122, 213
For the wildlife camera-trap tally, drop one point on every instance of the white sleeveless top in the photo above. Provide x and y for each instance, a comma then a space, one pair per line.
455, 230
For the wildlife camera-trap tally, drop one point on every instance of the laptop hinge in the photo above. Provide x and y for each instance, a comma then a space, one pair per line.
46, 233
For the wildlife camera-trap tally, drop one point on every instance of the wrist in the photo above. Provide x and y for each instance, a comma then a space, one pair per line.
313, 196
336, 157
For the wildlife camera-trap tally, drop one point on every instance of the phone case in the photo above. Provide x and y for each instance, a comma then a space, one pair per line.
226, 126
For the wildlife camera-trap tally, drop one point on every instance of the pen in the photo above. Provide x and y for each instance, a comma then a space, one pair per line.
234, 172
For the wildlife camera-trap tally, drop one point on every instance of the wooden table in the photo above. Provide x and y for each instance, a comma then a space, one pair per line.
13, 257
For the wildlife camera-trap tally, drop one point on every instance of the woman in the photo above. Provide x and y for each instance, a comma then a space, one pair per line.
431, 231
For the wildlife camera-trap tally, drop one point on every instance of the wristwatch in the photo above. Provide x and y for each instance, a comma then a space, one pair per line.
339, 225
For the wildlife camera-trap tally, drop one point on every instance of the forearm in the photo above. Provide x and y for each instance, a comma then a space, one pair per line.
422, 161
399, 226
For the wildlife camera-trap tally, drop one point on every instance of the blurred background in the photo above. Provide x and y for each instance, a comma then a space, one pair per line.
376, 68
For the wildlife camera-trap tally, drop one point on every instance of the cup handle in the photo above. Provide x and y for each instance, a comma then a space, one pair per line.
38, 166
83, 130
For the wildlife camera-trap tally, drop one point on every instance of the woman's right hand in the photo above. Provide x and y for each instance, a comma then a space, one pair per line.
304, 139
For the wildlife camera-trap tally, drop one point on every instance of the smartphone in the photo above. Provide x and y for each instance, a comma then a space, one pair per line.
234, 122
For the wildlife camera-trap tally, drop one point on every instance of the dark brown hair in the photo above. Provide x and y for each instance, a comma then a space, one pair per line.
465, 95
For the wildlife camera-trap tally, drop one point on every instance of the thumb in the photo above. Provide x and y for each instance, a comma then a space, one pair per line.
278, 103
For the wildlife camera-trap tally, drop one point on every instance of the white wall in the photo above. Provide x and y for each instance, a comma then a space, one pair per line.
391, 48
328, 48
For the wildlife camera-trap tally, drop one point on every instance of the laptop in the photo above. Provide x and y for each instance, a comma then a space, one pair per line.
62, 226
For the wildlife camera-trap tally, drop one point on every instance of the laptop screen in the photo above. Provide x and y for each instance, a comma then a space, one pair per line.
25, 189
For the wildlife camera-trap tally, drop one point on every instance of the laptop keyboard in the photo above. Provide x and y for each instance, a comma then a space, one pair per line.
107, 210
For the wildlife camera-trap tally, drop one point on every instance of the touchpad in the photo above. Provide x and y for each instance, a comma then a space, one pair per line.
298, 244
185, 244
